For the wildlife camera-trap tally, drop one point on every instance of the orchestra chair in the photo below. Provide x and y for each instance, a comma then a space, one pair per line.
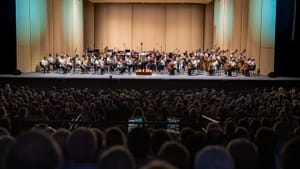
76, 69
252, 70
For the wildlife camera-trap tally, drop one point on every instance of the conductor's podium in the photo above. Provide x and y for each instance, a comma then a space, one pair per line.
143, 72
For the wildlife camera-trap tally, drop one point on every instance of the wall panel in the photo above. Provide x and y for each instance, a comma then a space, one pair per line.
156, 26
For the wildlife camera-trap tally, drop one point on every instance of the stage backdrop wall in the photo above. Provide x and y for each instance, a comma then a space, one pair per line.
47, 26
247, 24
166, 27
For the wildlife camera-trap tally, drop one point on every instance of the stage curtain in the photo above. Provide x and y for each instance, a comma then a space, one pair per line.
247, 24
156, 26
47, 26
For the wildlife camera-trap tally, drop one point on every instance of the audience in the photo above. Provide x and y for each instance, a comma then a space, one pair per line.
250, 129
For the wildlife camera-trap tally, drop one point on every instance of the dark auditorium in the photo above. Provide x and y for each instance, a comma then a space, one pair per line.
149, 84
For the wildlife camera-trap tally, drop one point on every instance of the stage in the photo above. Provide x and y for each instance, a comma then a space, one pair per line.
155, 81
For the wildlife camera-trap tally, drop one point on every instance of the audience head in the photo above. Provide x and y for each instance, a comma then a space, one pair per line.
82, 145
243, 152
158, 164
215, 157
175, 153
100, 138
139, 142
290, 154
215, 136
34, 150
185, 132
116, 157
5, 142
159, 137
114, 136
61, 136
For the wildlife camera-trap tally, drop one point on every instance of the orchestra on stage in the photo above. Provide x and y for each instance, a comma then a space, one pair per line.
212, 61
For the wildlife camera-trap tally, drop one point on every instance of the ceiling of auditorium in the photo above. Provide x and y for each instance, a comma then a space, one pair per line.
152, 1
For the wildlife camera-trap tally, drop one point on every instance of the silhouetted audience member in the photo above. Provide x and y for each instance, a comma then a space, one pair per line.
175, 153
195, 143
4, 119
290, 154
139, 144
281, 129
241, 132
185, 132
82, 146
4, 132
34, 150
100, 139
215, 136
5, 142
215, 157
254, 125
61, 136
243, 152
114, 136
158, 164
229, 129
265, 140
116, 157
159, 137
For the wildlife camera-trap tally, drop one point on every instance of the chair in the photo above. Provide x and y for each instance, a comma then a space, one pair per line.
252, 69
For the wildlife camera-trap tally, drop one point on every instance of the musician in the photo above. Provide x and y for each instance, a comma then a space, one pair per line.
121, 66
68, 63
44, 64
51, 61
62, 63
85, 64
190, 67
246, 67
129, 63
171, 67
252, 64
100, 64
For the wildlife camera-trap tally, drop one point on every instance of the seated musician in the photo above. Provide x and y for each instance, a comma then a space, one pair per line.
62, 63
100, 64
129, 63
68, 63
190, 67
121, 66
85, 64
171, 67
247, 66
252, 64
44, 64
51, 61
